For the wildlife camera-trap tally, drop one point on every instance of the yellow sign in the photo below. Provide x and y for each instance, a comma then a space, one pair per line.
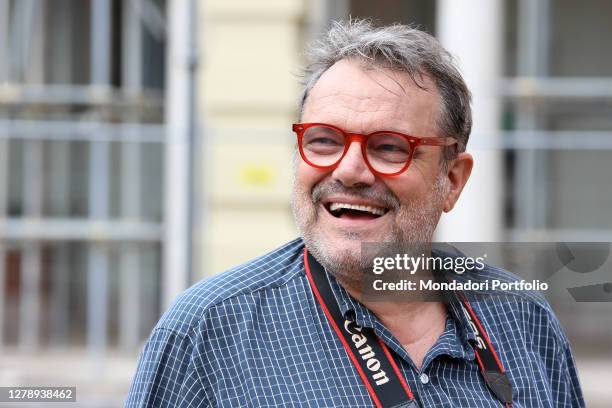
256, 175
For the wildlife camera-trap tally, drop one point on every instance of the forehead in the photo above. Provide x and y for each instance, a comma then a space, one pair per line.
363, 99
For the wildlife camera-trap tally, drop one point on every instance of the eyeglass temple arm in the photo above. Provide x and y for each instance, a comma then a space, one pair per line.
438, 141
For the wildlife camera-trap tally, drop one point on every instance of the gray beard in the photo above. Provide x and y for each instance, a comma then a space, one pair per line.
415, 225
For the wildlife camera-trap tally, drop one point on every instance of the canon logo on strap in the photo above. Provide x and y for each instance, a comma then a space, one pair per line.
365, 351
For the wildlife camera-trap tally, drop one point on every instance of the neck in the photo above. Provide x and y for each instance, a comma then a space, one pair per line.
408, 321
416, 325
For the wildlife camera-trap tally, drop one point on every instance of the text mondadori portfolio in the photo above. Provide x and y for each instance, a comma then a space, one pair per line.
430, 284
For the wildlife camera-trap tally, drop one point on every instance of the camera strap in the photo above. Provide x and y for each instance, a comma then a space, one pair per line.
373, 359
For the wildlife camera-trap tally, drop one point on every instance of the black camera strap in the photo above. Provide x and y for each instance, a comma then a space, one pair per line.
373, 359
489, 362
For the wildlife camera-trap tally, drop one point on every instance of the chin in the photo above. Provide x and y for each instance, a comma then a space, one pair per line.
338, 253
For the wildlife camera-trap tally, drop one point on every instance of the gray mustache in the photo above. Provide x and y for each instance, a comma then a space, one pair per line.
323, 190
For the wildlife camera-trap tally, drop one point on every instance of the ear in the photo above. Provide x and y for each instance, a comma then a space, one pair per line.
459, 170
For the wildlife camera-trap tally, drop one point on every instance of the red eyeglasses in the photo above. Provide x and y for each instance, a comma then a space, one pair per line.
386, 153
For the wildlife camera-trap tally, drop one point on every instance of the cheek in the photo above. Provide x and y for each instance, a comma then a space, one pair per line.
422, 174
409, 187
306, 178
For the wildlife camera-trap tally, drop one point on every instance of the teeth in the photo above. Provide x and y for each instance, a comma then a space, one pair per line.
366, 208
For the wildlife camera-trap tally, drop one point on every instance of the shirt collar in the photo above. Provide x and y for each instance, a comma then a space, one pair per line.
350, 307
455, 341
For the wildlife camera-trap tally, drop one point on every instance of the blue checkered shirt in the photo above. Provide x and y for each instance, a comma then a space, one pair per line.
255, 336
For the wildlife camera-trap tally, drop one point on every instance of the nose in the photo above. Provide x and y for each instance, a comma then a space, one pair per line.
353, 171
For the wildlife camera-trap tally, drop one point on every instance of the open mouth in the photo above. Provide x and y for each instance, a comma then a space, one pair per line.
354, 211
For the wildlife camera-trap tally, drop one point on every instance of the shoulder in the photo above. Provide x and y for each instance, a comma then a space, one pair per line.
268, 271
524, 310
510, 306
170, 358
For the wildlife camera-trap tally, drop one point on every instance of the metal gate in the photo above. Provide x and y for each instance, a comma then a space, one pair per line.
82, 164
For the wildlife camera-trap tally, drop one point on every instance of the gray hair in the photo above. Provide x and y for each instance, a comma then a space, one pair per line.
397, 47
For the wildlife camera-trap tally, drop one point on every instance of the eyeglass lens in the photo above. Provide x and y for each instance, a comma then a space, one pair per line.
386, 153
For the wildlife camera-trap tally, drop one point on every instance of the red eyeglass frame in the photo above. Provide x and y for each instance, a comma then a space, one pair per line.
413, 141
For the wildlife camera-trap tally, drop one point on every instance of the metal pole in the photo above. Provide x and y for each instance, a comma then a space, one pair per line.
3, 215
530, 189
321, 12
18, 37
338, 9
80, 229
61, 62
179, 112
59, 180
97, 264
29, 319
4, 145
131, 181
471, 30
3, 294
4, 41
194, 142
97, 131
60, 282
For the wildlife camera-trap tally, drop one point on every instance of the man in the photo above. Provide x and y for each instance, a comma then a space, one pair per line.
385, 120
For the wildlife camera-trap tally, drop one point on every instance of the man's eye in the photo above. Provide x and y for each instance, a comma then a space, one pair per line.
390, 148
323, 141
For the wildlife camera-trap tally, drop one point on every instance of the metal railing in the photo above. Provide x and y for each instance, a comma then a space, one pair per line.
74, 161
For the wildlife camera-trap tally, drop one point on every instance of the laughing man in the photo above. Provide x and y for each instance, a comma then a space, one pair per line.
381, 153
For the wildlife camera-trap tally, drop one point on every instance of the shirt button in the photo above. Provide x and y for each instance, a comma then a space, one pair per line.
424, 378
